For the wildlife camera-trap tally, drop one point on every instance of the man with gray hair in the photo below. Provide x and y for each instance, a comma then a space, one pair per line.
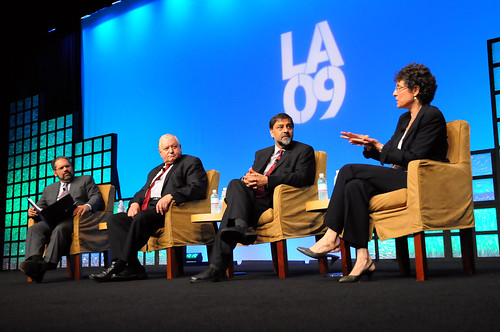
180, 178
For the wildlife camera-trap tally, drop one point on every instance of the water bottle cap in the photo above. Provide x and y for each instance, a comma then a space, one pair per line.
214, 191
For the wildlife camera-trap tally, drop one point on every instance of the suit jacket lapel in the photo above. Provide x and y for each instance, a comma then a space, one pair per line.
264, 161
414, 125
172, 170
284, 156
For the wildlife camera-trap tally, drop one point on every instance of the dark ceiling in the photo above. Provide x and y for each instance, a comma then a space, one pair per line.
26, 21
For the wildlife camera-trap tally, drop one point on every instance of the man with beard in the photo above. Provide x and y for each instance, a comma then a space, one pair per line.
58, 240
286, 162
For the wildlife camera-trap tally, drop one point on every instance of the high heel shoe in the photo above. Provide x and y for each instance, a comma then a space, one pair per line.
312, 254
351, 278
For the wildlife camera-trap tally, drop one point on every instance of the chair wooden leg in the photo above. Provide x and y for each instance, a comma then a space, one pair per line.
69, 266
345, 251
175, 262
282, 258
403, 256
73, 266
420, 256
467, 245
322, 262
274, 256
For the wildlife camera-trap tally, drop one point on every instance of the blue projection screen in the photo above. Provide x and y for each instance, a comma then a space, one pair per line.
214, 72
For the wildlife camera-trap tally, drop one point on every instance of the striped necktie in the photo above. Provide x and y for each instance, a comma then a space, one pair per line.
261, 191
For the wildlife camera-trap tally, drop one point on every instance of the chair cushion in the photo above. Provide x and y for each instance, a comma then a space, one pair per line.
391, 200
266, 217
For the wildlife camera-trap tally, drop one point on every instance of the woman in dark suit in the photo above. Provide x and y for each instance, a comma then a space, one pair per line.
420, 134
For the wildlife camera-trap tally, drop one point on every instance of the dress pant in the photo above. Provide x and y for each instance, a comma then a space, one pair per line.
128, 235
348, 210
58, 240
243, 207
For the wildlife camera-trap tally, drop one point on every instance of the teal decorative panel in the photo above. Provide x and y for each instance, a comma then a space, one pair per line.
387, 249
51, 125
150, 258
496, 78
60, 122
483, 190
68, 135
486, 219
60, 137
98, 144
487, 245
51, 139
162, 257
87, 147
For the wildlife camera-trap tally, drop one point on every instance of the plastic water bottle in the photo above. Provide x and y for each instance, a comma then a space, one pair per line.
322, 188
214, 202
121, 207
221, 200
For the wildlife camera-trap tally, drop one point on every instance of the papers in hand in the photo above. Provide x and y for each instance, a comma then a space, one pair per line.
53, 214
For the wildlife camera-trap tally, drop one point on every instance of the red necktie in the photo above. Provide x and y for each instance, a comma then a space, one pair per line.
148, 193
261, 191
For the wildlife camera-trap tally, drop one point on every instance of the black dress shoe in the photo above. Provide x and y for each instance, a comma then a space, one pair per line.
108, 273
34, 269
138, 273
209, 274
238, 235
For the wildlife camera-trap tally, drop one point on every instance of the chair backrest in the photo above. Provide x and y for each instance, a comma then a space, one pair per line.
108, 195
213, 182
320, 157
458, 141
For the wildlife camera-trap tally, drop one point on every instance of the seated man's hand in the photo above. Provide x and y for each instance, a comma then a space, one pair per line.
163, 203
133, 209
253, 179
32, 212
80, 210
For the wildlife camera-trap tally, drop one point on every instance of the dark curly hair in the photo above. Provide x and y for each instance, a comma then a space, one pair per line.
419, 75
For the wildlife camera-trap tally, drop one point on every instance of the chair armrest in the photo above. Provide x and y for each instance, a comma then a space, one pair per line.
443, 188
287, 196
289, 208
192, 207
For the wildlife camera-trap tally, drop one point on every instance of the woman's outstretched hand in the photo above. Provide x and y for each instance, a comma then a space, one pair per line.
357, 139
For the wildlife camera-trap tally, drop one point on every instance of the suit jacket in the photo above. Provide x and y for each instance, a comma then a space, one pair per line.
83, 190
425, 139
185, 181
296, 167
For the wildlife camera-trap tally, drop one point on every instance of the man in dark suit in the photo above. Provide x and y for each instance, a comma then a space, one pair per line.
180, 178
286, 162
58, 240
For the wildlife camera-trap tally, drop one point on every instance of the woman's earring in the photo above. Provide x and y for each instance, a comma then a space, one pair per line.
414, 97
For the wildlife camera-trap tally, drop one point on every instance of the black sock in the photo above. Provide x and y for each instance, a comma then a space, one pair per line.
238, 222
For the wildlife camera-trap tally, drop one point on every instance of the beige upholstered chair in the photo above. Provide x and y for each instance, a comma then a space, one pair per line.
289, 219
87, 237
179, 231
438, 197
